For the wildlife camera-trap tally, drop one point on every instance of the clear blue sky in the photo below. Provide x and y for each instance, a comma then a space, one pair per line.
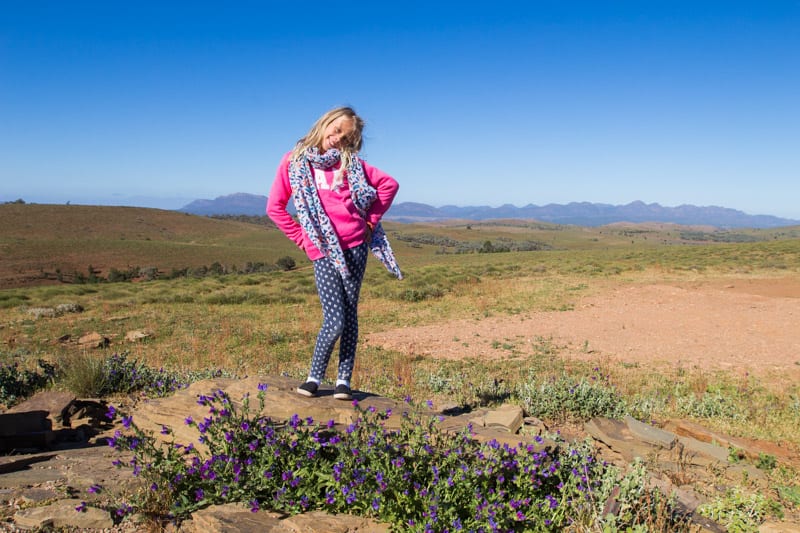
160, 103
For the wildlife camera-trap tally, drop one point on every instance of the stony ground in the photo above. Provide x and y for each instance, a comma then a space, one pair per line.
738, 324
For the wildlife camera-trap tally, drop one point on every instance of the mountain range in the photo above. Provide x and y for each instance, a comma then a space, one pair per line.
573, 213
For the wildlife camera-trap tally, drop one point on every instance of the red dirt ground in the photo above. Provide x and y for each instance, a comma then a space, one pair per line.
743, 325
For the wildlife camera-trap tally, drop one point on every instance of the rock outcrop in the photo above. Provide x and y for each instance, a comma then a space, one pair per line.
56, 456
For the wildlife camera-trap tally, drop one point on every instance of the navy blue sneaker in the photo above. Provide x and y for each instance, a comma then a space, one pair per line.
309, 388
342, 392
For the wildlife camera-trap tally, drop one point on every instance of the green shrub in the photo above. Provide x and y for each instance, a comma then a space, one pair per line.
738, 511
565, 398
85, 375
17, 384
417, 477
88, 375
714, 404
286, 263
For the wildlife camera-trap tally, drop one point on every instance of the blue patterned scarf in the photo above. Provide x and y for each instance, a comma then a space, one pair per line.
315, 221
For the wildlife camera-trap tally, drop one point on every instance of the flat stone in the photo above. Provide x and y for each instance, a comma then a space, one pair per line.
38, 495
616, 435
738, 472
650, 434
16, 423
505, 418
63, 514
321, 522
94, 340
752, 448
232, 518
693, 447
779, 527
54, 403
13, 463
29, 477
27, 442
281, 402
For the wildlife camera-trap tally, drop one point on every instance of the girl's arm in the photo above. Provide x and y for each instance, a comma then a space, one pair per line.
386, 186
279, 196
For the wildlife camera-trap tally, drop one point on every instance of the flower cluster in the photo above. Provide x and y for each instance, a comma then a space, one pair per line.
124, 375
416, 476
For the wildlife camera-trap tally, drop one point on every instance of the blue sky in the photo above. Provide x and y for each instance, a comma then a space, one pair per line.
530, 102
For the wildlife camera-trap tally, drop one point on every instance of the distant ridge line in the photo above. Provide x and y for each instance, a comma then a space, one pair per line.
573, 213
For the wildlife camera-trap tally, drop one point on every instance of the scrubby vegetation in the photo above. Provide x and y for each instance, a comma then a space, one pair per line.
202, 313
417, 477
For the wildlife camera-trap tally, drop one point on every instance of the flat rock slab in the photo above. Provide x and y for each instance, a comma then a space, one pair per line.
751, 448
78, 468
616, 435
232, 518
64, 514
53, 402
694, 450
506, 418
651, 434
281, 402
20, 423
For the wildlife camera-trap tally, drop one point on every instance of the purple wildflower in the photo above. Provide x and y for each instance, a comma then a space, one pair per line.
124, 509
111, 413
81, 508
94, 489
126, 421
262, 387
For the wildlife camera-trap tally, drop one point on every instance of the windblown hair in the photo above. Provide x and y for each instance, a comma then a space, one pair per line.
348, 146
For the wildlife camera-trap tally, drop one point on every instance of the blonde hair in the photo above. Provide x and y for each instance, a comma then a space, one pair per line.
348, 146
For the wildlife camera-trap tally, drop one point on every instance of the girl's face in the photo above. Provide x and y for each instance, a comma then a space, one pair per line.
336, 132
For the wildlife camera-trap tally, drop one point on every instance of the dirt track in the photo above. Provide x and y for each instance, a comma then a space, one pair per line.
743, 325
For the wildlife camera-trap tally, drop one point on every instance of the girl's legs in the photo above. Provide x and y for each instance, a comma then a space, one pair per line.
339, 299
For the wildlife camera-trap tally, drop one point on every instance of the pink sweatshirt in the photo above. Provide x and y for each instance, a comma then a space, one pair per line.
334, 194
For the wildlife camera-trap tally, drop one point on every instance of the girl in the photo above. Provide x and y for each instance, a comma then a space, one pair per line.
340, 200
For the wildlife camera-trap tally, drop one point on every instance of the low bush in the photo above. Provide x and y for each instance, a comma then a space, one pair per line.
88, 375
566, 398
17, 383
417, 477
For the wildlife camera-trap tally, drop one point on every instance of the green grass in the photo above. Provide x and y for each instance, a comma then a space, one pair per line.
267, 322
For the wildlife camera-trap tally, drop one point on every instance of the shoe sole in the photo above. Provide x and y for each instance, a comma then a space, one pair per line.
341, 396
305, 393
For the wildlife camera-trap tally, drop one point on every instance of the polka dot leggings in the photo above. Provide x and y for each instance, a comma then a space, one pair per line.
339, 299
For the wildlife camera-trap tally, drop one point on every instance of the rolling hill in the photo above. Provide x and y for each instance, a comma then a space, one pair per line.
574, 213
